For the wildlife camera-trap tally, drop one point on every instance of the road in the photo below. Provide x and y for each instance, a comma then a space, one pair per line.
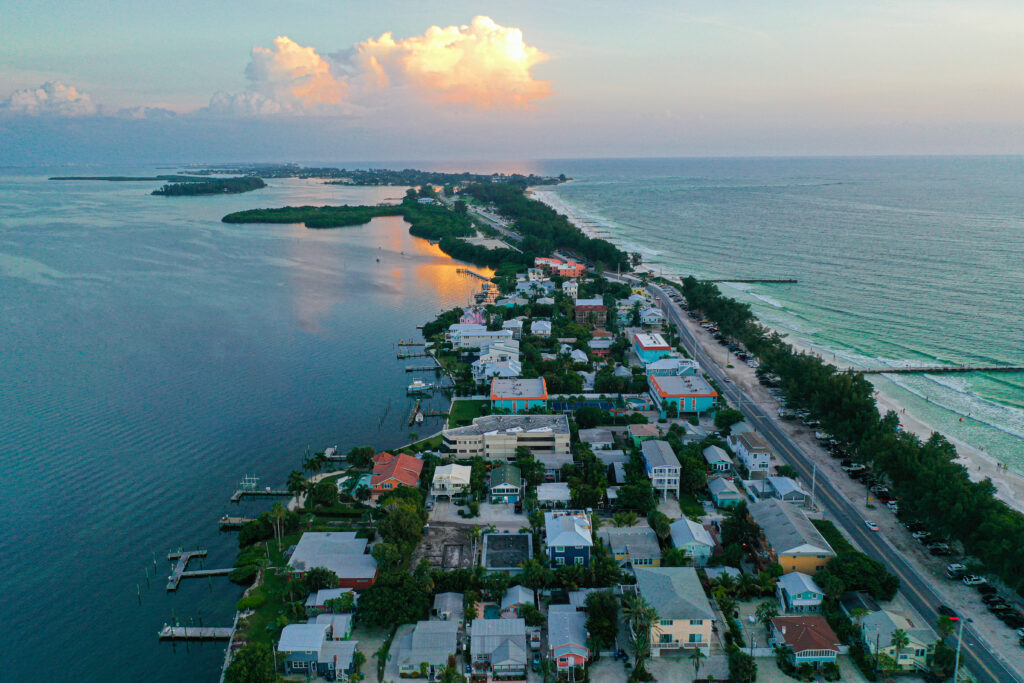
985, 667
494, 223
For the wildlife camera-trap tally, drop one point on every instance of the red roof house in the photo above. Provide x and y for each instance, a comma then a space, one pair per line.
391, 471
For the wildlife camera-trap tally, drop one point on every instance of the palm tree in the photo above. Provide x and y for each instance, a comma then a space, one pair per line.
946, 626
899, 640
296, 483
765, 612
641, 617
278, 512
450, 674
747, 586
697, 657
313, 464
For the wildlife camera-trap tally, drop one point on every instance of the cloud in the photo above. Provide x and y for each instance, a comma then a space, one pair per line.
483, 65
52, 98
285, 79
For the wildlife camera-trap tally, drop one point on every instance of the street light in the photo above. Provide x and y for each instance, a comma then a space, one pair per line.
959, 641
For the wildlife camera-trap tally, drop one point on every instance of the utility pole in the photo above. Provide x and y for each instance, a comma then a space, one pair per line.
959, 642
814, 481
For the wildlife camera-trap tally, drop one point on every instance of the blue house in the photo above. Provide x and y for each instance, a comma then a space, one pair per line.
506, 484
798, 593
568, 537
724, 493
516, 395
651, 347
687, 394
312, 650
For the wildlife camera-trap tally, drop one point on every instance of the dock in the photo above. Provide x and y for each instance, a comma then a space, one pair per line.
423, 368
403, 342
403, 355
180, 568
467, 271
753, 280
938, 369
238, 495
229, 522
415, 412
169, 632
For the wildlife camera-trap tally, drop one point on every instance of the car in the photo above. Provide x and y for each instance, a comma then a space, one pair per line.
999, 606
974, 580
989, 599
955, 567
1014, 620
986, 589
1020, 632
946, 612
870, 525
921, 536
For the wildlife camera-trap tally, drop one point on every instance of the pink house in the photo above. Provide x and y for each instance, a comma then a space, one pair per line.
567, 637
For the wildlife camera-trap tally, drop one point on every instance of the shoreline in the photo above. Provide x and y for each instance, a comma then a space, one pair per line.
1009, 483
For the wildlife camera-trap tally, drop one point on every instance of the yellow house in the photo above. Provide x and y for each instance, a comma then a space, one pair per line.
790, 538
685, 616
877, 629
632, 546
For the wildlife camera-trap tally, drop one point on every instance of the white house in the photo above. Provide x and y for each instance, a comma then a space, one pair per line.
662, 466
450, 480
540, 328
571, 289
753, 452
484, 372
651, 316
501, 350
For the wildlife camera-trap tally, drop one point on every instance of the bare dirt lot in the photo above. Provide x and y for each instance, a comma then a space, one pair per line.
445, 547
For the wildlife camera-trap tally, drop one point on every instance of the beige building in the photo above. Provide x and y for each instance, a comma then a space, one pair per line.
878, 628
790, 538
450, 480
685, 616
496, 437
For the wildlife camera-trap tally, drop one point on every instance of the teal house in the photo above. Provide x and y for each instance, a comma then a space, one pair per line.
724, 493
688, 394
650, 347
516, 395
506, 484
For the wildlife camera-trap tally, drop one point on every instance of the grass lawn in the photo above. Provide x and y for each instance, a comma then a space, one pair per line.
834, 537
690, 506
431, 444
463, 411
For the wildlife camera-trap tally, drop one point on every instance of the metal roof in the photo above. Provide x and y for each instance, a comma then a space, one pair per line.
685, 531
787, 529
674, 591
302, 637
658, 453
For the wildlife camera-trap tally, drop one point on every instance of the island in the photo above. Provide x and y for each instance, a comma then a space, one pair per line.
193, 188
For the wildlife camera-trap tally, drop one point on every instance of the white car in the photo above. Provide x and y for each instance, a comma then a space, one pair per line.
870, 525
972, 580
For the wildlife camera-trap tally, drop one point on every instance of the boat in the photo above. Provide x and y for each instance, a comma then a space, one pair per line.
419, 418
418, 386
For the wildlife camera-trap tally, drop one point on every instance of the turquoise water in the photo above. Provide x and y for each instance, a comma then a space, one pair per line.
151, 357
899, 261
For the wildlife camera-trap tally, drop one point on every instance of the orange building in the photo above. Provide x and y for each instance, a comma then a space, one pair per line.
392, 471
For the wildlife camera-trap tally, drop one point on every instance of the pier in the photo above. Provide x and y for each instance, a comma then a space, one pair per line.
754, 280
229, 522
937, 369
423, 368
467, 271
180, 569
403, 342
415, 412
238, 495
403, 355
169, 632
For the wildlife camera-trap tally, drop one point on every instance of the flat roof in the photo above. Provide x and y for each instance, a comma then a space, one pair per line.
506, 551
339, 551
644, 430
518, 388
554, 491
590, 302
675, 385
596, 435
651, 342
497, 424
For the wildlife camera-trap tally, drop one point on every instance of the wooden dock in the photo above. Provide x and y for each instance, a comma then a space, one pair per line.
229, 522
415, 411
403, 342
238, 495
402, 355
938, 369
467, 271
180, 568
169, 632
754, 280
423, 368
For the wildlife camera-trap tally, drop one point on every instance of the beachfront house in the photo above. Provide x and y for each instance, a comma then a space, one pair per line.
498, 648
807, 639
662, 466
675, 394
450, 480
518, 395
392, 471
310, 650
324, 600
339, 551
692, 537
790, 537
685, 616
568, 537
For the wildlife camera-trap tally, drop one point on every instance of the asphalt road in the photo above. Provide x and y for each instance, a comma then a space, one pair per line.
980, 661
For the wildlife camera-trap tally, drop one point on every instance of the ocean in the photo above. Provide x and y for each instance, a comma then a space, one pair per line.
900, 261
152, 356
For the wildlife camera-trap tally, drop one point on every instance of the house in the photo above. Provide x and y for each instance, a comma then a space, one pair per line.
339, 551
685, 616
643, 432
672, 365
598, 438
308, 649
568, 536
662, 466
681, 394
632, 546
485, 372
455, 332
807, 638
570, 269
515, 395
650, 347
553, 464
391, 471
534, 274
693, 538
579, 356
427, 650
609, 457
450, 480
475, 316
553, 495
591, 312
341, 625
515, 326
567, 637
316, 603
799, 593
514, 599
601, 348
476, 338
449, 607
500, 350
498, 648
651, 316
506, 553
877, 628
540, 328
717, 459
546, 300
724, 493
571, 289
788, 490
496, 437
506, 484
753, 452
792, 540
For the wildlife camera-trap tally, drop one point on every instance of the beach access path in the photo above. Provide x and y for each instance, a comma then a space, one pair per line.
990, 649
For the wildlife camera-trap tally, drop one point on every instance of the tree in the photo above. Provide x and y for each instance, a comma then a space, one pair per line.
319, 578
899, 640
640, 616
450, 674
296, 483
621, 519
531, 615
674, 557
765, 612
742, 667
590, 416
787, 471
946, 626
360, 456
661, 525
726, 418
254, 663
603, 617
278, 511
697, 658
324, 493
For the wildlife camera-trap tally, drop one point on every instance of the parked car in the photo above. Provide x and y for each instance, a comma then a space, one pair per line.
870, 525
989, 599
921, 536
974, 580
947, 612
986, 589
1014, 620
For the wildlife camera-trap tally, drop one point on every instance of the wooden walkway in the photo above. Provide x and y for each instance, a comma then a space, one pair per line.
238, 495
169, 632
936, 369
402, 355
411, 343
467, 271
423, 368
753, 280
180, 568
229, 522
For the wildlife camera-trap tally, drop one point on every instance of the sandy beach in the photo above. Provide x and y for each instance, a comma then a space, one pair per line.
1009, 484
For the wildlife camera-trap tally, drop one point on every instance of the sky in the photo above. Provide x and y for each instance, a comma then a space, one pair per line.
334, 80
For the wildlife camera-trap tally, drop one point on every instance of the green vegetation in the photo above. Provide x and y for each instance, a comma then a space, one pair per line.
131, 179
931, 485
314, 216
852, 570
254, 663
218, 186
463, 411
380, 176
603, 618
